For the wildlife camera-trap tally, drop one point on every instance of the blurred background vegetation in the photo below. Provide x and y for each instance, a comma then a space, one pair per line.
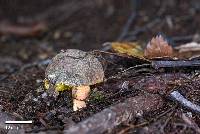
32, 30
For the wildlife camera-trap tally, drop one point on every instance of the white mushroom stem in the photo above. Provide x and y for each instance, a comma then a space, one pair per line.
80, 94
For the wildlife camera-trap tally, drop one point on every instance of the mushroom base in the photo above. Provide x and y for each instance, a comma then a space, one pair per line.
80, 94
78, 104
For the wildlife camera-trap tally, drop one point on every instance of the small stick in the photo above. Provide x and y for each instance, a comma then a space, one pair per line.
131, 126
4, 91
142, 29
133, 16
175, 63
127, 26
190, 122
175, 95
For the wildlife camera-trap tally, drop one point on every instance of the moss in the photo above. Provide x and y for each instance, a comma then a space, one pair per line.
96, 96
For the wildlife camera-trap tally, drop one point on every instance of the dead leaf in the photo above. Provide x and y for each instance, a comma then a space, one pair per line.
128, 48
158, 47
188, 50
192, 46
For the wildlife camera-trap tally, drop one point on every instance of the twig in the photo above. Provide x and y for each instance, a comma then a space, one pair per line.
130, 126
4, 91
168, 119
175, 63
175, 95
132, 35
127, 26
190, 122
139, 68
125, 30
43, 123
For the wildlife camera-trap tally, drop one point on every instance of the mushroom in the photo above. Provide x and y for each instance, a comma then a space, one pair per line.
77, 70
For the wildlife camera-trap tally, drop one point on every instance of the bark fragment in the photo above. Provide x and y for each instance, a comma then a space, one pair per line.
117, 114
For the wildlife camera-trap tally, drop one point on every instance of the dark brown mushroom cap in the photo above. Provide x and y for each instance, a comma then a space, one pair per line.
74, 68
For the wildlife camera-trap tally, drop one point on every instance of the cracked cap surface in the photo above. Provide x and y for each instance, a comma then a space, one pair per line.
74, 68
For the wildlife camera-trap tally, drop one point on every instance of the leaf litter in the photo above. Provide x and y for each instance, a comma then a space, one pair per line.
185, 79
49, 113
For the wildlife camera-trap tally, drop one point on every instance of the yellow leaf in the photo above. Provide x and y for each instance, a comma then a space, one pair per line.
129, 48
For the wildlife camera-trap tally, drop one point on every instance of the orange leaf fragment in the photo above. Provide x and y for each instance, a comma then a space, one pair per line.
158, 47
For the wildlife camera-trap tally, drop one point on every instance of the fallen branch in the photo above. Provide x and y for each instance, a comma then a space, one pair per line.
117, 114
175, 63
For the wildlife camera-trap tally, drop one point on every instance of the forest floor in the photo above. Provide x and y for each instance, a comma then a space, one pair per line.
86, 26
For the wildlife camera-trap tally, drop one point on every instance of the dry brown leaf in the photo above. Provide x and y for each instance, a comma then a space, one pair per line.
158, 47
192, 46
188, 50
